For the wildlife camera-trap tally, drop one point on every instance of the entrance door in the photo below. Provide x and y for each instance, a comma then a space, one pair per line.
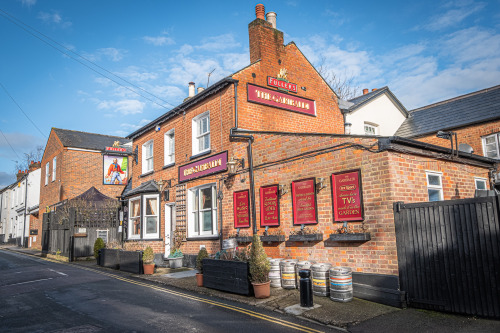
169, 227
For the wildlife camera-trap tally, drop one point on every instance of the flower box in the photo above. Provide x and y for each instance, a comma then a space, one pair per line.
227, 275
175, 262
272, 238
244, 239
350, 237
306, 238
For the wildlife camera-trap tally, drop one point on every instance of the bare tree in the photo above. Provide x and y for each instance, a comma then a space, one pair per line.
343, 85
34, 155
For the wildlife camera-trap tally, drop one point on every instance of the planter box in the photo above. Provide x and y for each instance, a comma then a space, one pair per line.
131, 261
175, 262
306, 238
110, 258
244, 239
272, 238
346, 238
226, 275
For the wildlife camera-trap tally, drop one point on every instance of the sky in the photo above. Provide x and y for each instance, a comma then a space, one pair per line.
111, 66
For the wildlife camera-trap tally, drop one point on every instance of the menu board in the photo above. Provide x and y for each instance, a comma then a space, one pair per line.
269, 206
241, 209
304, 202
347, 196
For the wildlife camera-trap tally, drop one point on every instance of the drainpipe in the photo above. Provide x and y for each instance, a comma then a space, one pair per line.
220, 196
25, 208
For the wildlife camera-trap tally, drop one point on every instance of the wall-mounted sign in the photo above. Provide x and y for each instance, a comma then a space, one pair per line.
115, 170
304, 201
269, 206
265, 96
280, 84
241, 204
347, 196
207, 166
116, 149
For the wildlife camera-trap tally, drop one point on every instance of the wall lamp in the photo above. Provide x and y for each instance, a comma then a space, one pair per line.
320, 184
232, 166
282, 190
449, 136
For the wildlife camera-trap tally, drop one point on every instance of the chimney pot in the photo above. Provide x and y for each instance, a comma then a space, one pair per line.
374, 89
271, 18
191, 89
260, 11
365, 91
200, 89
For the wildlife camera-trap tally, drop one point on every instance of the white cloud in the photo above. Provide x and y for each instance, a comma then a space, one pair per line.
28, 3
110, 53
218, 43
54, 18
158, 40
459, 12
125, 107
133, 127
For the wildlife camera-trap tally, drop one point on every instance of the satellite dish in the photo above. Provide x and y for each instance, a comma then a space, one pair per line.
465, 148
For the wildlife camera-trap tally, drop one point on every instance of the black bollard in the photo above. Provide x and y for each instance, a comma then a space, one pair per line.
306, 295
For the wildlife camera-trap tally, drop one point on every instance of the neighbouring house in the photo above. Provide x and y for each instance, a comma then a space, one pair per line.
73, 162
264, 151
378, 112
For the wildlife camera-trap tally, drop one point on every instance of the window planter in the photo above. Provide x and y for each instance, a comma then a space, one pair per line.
306, 238
244, 239
227, 275
272, 238
350, 238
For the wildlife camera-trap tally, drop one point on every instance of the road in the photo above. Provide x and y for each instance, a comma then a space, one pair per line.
40, 295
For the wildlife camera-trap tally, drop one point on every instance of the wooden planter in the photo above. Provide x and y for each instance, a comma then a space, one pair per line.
227, 275
350, 238
110, 258
128, 261
272, 238
306, 238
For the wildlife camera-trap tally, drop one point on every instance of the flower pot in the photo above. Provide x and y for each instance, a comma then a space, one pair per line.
199, 279
149, 269
262, 290
175, 262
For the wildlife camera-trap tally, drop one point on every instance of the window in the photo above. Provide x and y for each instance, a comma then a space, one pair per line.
134, 218
201, 133
151, 228
371, 129
434, 186
54, 167
480, 184
170, 147
47, 173
202, 211
144, 223
147, 157
490, 146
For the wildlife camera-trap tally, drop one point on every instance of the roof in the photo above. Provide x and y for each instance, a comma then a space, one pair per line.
473, 108
147, 187
92, 194
357, 102
84, 140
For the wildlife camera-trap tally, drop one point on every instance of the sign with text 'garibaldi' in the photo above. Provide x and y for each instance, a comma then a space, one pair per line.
265, 96
204, 167
304, 201
347, 196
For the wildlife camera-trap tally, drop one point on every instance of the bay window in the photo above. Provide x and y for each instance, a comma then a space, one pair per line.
202, 210
134, 218
144, 217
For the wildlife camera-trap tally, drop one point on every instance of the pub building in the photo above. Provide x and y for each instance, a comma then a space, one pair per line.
264, 151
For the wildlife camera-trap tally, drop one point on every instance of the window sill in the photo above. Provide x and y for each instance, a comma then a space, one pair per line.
144, 240
146, 174
200, 154
200, 238
168, 166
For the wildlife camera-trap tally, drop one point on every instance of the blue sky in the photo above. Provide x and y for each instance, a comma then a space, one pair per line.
425, 51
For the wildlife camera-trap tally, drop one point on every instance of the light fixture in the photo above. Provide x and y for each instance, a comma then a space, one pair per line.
320, 184
232, 166
347, 128
160, 183
282, 190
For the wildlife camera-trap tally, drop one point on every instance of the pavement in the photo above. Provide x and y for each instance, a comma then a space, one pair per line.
355, 316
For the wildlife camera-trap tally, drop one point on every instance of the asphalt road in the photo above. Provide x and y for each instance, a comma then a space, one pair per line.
39, 295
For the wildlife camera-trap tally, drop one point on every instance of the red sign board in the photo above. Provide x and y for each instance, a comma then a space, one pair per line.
274, 82
347, 196
204, 167
269, 206
241, 204
261, 95
116, 149
304, 202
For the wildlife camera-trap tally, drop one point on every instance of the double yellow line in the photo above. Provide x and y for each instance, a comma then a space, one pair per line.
203, 300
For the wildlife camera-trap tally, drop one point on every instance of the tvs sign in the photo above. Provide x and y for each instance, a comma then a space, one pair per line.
280, 84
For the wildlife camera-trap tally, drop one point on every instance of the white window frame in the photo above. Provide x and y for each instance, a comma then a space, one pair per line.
497, 145
196, 135
370, 125
107, 234
54, 168
192, 212
480, 180
169, 142
146, 158
155, 235
435, 187
47, 173
130, 217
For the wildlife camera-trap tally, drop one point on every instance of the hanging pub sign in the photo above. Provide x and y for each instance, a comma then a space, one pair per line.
241, 204
207, 166
118, 149
265, 96
115, 170
280, 84
304, 201
269, 206
347, 196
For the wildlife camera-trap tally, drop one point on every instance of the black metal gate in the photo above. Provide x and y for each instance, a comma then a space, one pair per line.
449, 255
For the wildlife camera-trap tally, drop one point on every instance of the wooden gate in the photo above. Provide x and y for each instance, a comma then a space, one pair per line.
449, 255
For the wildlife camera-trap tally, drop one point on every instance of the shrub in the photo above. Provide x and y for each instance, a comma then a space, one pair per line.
202, 254
259, 265
98, 244
175, 254
148, 256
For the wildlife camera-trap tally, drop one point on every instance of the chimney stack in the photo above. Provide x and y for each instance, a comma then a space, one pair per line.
191, 90
20, 174
365, 91
265, 41
34, 166
271, 18
260, 11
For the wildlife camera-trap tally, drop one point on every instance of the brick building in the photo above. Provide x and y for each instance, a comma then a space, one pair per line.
73, 162
271, 136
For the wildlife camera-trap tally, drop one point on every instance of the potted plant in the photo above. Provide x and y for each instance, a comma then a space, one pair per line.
147, 261
175, 258
98, 245
202, 254
259, 269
